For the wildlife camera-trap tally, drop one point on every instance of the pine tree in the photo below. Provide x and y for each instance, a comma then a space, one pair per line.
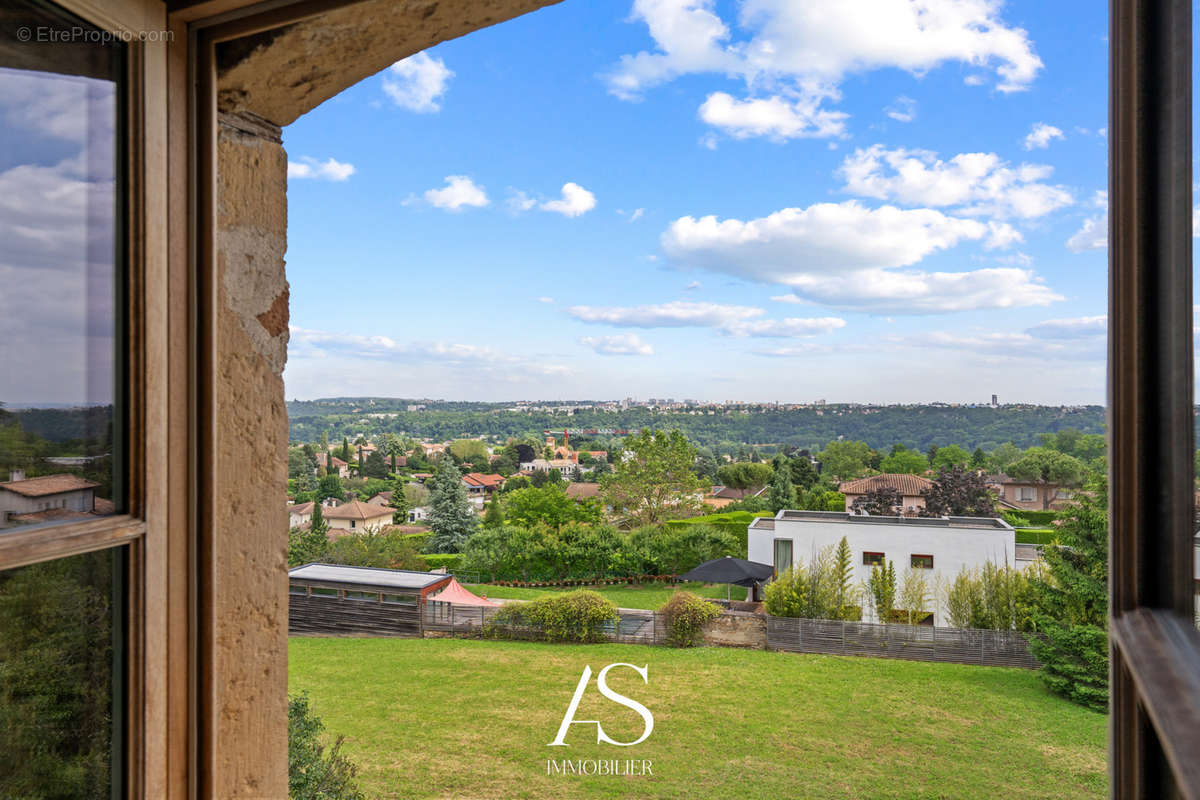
346, 454
450, 514
843, 571
783, 493
1071, 604
494, 516
318, 524
399, 502
883, 589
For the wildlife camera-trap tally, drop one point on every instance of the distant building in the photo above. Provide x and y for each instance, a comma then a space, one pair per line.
358, 517
564, 466
342, 468
909, 487
938, 546
1018, 495
300, 514
479, 486
63, 492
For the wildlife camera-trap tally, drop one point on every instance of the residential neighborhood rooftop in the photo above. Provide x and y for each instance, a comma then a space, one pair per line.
368, 576
863, 519
358, 510
904, 483
48, 484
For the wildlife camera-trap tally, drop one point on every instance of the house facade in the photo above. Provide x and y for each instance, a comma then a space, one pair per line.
61, 492
358, 517
937, 546
1016, 494
910, 488
343, 469
300, 514
480, 486
565, 467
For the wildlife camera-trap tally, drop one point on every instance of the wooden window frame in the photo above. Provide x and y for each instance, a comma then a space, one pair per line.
881, 562
1154, 648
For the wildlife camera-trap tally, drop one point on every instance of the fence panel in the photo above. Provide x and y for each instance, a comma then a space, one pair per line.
910, 642
321, 615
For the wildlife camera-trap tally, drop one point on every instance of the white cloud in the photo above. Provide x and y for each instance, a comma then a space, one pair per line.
417, 83
1041, 135
331, 170
728, 319
708, 141
519, 201
459, 191
1002, 346
693, 286
775, 117
1075, 328
1093, 235
637, 214
798, 53
976, 183
621, 344
544, 299
575, 201
788, 298
904, 109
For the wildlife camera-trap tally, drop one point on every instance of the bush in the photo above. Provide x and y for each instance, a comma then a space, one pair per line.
819, 590
450, 561
1030, 519
686, 615
571, 617
313, 774
390, 550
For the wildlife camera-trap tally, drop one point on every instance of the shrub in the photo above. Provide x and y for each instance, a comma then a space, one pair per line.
686, 615
817, 590
1029, 519
450, 561
390, 550
314, 774
571, 617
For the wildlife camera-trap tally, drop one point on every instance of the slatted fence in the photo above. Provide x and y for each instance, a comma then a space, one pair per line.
345, 614
911, 642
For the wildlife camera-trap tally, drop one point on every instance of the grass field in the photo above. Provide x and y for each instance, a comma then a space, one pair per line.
447, 718
650, 596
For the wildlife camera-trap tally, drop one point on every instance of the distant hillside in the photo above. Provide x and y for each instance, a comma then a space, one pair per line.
878, 426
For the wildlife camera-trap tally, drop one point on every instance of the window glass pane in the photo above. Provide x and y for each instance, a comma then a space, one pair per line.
60, 668
60, 307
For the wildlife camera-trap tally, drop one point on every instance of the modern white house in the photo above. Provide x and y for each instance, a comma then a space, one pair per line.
942, 546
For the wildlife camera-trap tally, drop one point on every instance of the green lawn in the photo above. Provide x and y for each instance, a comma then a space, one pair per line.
650, 596
448, 718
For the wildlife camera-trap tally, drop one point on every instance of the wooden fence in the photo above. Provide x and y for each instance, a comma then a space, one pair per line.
325, 615
912, 642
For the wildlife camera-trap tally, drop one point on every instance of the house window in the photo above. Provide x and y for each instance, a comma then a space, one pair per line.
783, 555
1026, 493
872, 559
921, 562
351, 523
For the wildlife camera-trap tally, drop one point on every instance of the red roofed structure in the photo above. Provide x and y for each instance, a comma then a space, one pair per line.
455, 593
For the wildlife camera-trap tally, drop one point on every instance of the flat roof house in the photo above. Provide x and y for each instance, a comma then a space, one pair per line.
941, 545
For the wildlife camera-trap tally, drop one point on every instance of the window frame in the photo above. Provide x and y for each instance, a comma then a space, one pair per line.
912, 561
881, 562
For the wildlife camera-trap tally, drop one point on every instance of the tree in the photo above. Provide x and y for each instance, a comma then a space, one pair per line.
959, 492
399, 501
493, 517
783, 493
978, 459
1050, 469
843, 572
902, 461
884, 501
845, 460
804, 474
744, 475
451, 516
656, 483
314, 774
468, 450
374, 466
1002, 456
1071, 604
346, 453
547, 506
951, 456
914, 594
330, 487
307, 546
882, 584
317, 523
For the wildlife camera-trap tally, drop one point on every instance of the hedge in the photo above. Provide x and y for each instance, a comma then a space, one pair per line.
448, 560
734, 522
579, 616
1036, 535
1030, 519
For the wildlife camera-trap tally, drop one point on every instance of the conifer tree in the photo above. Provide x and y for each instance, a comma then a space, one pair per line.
883, 589
399, 502
451, 516
783, 493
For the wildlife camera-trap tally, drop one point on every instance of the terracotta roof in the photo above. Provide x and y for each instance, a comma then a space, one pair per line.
729, 493
300, 508
381, 499
580, 491
48, 484
907, 485
479, 479
358, 510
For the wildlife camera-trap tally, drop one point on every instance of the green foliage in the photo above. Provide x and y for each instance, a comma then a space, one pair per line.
783, 493
450, 561
744, 475
845, 460
568, 617
959, 492
656, 482
902, 460
399, 501
451, 517
1071, 604
548, 505
804, 474
914, 595
374, 466
813, 591
305, 547
821, 498
56, 678
686, 615
389, 549
469, 450
882, 585
314, 774
330, 486
991, 597
951, 456
1030, 519
1002, 456
493, 516
1045, 466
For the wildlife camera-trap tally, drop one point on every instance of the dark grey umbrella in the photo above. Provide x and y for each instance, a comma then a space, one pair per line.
737, 571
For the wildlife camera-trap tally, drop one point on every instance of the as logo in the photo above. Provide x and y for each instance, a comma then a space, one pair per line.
602, 685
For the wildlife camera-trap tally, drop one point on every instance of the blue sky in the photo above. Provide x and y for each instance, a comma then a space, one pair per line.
766, 200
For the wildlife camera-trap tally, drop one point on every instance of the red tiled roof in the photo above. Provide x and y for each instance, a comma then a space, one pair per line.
729, 493
48, 484
358, 510
491, 481
581, 491
907, 485
300, 508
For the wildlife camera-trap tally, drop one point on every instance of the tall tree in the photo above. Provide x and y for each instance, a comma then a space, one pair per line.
493, 517
1051, 470
399, 501
882, 584
902, 460
951, 456
783, 493
843, 572
656, 482
804, 474
959, 492
845, 460
347, 454
374, 466
451, 517
330, 487
884, 501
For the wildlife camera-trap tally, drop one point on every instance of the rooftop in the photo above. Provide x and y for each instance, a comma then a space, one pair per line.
366, 576
904, 483
48, 484
356, 509
844, 517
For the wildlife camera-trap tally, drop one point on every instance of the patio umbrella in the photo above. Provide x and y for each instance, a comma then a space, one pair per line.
734, 571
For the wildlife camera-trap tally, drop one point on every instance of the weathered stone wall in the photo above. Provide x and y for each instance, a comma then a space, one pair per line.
737, 629
250, 557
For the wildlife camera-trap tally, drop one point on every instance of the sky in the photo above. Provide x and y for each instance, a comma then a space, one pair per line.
879, 201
